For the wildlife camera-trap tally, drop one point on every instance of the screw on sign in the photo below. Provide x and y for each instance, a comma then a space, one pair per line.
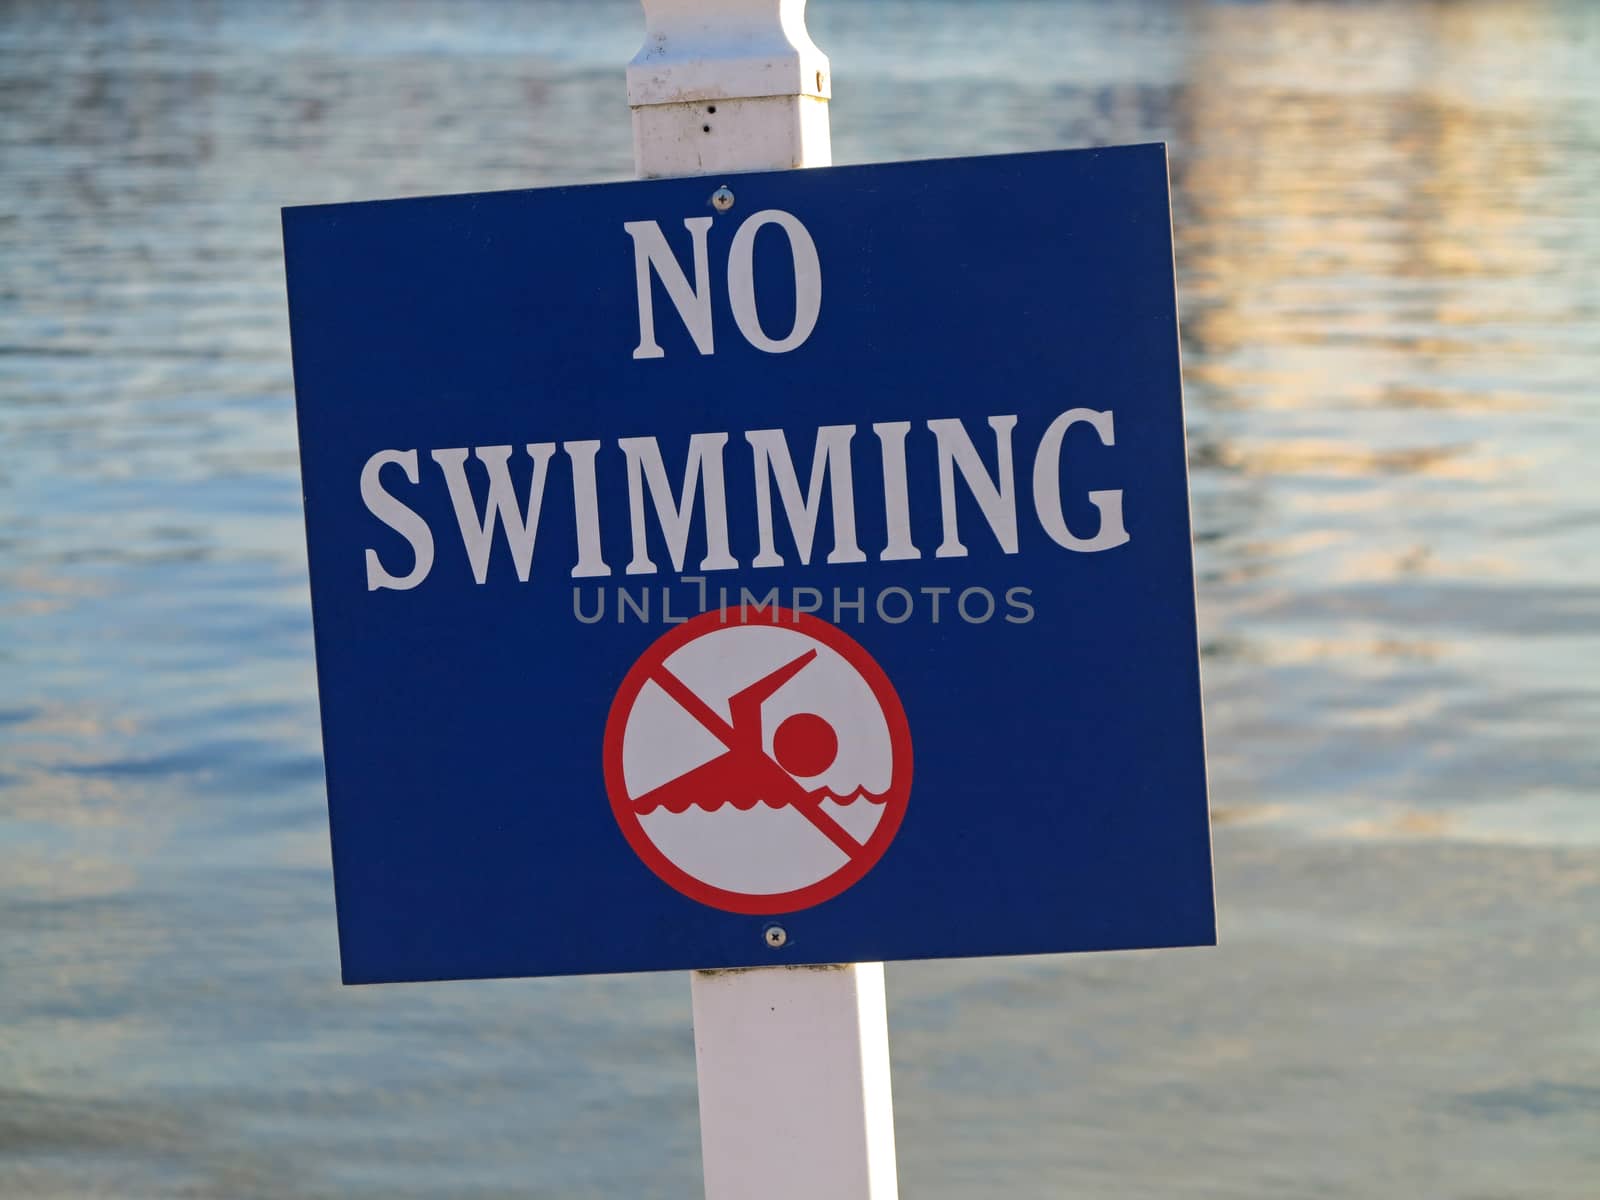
758, 761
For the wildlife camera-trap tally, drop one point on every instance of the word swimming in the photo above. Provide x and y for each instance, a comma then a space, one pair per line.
655, 506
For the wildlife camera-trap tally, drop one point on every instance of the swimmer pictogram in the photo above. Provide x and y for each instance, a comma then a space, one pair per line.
758, 762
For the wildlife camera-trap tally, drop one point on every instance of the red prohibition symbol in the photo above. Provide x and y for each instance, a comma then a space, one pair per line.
758, 761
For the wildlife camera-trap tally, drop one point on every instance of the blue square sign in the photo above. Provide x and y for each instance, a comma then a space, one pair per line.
737, 571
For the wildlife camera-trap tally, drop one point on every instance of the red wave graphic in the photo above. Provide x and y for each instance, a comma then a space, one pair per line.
681, 804
860, 793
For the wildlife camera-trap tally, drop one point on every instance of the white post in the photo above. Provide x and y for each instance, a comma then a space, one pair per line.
793, 1062
728, 85
794, 1083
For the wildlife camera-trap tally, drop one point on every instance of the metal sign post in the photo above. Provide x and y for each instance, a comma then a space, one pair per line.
793, 1062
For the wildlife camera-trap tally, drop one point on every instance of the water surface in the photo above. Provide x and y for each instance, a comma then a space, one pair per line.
1389, 276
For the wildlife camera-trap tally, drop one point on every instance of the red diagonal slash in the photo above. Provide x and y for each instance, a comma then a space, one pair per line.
693, 705
743, 740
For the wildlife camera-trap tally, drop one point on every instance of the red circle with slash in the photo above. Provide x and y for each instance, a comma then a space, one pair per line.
745, 774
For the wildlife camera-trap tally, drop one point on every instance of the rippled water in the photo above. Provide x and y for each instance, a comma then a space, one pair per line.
1389, 267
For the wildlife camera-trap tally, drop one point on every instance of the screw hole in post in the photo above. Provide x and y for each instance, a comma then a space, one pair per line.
711, 108
705, 129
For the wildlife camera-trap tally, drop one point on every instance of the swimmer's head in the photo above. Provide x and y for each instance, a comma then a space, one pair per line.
805, 745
